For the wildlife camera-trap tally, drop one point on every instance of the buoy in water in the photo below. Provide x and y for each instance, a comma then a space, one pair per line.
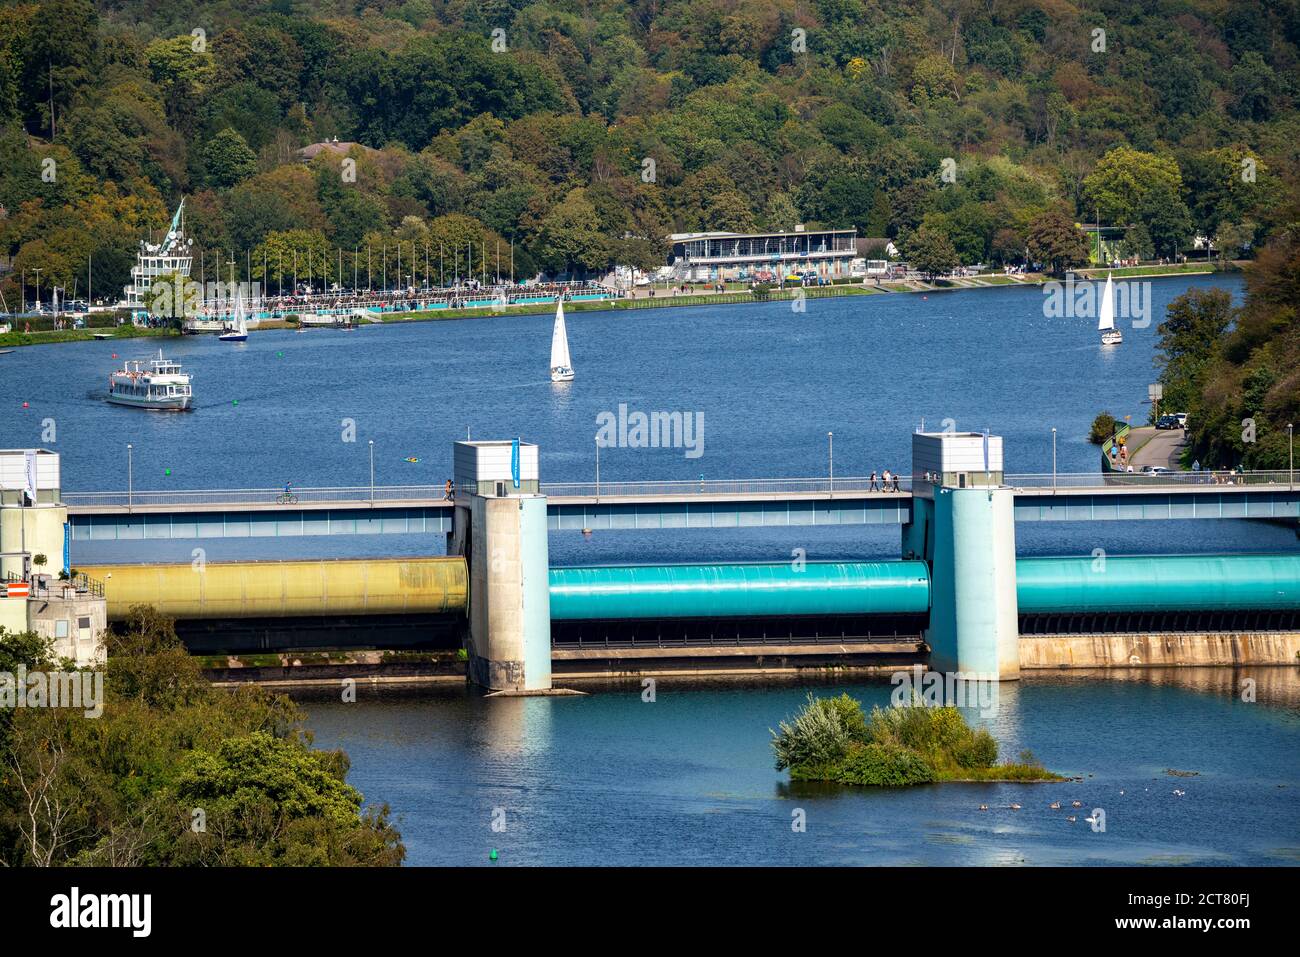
493, 856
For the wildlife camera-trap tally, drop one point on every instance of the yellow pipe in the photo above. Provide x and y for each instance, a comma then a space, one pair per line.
287, 589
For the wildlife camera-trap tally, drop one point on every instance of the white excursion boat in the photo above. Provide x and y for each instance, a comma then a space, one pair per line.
561, 364
237, 329
1110, 336
161, 386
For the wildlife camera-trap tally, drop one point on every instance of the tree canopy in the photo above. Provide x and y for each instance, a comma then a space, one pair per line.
583, 134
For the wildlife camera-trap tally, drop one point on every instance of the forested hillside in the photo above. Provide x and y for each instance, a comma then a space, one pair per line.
583, 132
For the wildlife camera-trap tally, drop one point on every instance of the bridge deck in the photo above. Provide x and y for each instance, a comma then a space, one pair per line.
651, 505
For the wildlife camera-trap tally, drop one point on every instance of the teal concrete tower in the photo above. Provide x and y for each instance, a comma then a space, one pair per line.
963, 522
505, 544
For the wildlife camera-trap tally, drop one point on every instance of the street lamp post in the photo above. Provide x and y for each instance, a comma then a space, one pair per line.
1290, 441
130, 483
1053, 459
372, 471
597, 466
830, 459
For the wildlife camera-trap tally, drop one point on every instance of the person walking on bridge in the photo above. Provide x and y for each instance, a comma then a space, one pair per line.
873, 487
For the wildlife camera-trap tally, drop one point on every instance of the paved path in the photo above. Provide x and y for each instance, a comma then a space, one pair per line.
1163, 448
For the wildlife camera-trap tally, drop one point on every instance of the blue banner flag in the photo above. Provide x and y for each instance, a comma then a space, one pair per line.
514, 462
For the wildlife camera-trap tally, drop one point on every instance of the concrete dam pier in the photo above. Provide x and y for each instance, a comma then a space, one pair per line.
958, 598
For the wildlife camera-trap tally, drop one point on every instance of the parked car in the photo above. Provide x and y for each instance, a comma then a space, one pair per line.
1154, 470
1182, 419
1168, 422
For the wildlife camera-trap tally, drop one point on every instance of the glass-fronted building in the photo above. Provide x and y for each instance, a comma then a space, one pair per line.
763, 257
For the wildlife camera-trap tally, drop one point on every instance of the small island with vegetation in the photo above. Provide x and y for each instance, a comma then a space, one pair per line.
831, 739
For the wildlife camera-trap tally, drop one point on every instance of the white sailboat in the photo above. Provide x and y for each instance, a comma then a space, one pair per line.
1110, 336
561, 364
238, 332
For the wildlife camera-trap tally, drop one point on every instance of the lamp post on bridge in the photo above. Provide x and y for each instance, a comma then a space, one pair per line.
598, 465
130, 483
830, 459
1053, 459
372, 472
1290, 441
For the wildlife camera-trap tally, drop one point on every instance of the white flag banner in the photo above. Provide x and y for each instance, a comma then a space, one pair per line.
29, 474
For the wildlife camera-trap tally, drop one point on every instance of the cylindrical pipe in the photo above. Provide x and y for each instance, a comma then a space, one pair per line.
715, 591
288, 589
1158, 583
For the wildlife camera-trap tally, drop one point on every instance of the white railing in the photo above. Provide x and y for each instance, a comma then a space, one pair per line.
720, 488
724, 487
361, 494
1165, 480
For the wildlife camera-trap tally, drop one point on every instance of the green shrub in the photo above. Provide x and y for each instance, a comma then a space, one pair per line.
820, 734
1103, 427
978, 751
883, 765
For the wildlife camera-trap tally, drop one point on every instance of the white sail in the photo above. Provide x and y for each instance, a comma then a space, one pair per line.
560, 341
241, 326
1106, 318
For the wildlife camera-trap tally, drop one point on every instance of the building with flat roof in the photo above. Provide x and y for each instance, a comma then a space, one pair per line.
765, 257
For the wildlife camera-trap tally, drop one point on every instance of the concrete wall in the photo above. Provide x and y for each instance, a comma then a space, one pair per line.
44, 535
75, 624
973, 617
510, 614
1128, 651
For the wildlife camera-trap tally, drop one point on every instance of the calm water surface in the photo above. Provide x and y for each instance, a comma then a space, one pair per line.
769, 382
688, 779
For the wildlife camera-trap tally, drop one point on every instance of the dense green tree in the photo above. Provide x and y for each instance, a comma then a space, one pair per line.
1054, 239
124, 789
228, 160
929, 251
1167, 220
1122, 180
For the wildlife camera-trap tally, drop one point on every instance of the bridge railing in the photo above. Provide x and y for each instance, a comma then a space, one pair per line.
258, 496
706, 487
848, 485
1164, 480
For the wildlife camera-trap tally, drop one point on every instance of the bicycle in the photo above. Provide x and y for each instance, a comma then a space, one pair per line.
286, 498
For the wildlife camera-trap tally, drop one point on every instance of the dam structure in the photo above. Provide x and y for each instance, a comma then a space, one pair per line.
958, 597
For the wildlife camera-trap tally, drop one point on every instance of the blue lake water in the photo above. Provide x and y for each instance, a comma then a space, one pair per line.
688, 779
769, 382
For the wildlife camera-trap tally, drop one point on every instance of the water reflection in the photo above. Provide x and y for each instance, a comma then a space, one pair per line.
611, 778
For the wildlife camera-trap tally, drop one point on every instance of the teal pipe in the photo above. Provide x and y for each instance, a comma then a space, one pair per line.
1043, 586
720, 591
1158, 583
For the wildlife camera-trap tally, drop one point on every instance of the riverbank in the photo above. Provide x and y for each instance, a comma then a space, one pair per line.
8, 339
665, 301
